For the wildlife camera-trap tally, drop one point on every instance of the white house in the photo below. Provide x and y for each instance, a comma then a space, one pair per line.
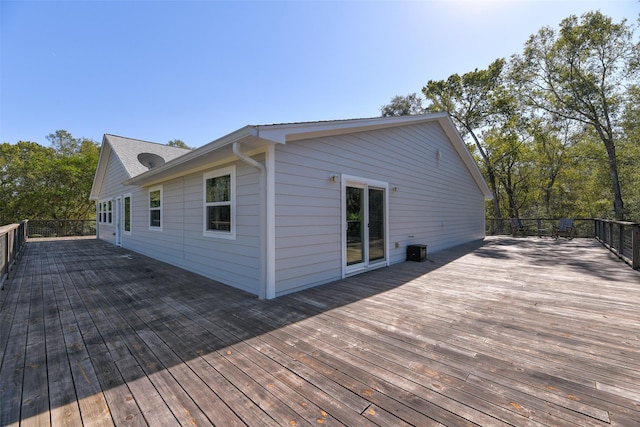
273, 209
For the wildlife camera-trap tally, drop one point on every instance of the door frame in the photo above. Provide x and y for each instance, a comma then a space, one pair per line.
118, 220
355, 181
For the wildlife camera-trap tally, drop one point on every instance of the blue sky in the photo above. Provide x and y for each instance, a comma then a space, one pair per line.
197, 70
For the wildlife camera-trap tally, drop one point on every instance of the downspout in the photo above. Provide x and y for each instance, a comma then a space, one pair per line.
263, 215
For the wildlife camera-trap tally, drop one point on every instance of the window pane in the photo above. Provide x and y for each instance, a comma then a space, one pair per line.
219, 218
219, 189
154, 199
127, 214
154, 220
355, 228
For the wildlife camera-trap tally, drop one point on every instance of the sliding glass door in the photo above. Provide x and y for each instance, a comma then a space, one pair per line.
365, 224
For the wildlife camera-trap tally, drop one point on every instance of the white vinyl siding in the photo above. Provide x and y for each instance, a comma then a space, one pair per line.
111, 188
437, 202
182, 243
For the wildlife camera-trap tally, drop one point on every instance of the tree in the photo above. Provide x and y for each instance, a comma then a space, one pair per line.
403, 106
629, 155
551, 141
64, 143
24, 179
582, 73
511, 158
178, 143
39, 182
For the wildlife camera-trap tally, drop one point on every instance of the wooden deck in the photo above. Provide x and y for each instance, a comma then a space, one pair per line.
504, 332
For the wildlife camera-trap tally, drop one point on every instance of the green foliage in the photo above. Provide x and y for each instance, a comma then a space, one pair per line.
582, 73
178, 143
38, 182
403, 106
556, 130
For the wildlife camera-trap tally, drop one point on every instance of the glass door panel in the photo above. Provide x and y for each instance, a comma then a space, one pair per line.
355, 226
376, 224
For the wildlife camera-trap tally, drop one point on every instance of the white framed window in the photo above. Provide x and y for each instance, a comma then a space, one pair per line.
155, 208
126, 214
219, 195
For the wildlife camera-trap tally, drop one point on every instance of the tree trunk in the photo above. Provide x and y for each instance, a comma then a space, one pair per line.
618, 205
607, 139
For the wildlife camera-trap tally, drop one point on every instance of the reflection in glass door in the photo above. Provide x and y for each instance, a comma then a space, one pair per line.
376, 224
355, 226
365, 207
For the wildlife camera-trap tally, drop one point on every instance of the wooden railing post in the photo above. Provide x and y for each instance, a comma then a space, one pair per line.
14, 236
6, 261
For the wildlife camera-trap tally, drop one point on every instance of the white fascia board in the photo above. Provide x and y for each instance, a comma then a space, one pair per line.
101, 169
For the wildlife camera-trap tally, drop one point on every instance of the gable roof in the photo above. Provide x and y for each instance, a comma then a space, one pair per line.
256, 136
126, 151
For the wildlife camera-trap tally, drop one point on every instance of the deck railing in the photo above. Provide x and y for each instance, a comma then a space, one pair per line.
622, 238
12, 239
539, 227
61, 227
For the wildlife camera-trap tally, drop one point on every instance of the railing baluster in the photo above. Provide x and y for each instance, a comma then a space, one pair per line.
61, 228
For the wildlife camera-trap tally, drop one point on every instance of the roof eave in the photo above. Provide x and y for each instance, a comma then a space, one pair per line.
161, 172
101, 168
283, 133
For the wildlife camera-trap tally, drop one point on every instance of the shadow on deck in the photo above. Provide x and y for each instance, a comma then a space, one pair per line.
501, 332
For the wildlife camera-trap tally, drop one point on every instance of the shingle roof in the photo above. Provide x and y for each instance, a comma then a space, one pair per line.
128, 149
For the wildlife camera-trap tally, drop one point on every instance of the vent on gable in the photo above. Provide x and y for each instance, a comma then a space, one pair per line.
150, 160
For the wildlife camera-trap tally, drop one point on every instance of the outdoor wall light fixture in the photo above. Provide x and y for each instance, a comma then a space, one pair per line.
333, 177
438, 155
396, 189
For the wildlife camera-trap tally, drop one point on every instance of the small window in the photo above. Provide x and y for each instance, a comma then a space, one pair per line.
105, 212
127, 214
219, 203
155, 208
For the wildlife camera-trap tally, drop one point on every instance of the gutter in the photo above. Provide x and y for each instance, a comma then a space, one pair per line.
237, 151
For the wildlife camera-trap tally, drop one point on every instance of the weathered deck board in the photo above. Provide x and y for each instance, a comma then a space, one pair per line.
523, 332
